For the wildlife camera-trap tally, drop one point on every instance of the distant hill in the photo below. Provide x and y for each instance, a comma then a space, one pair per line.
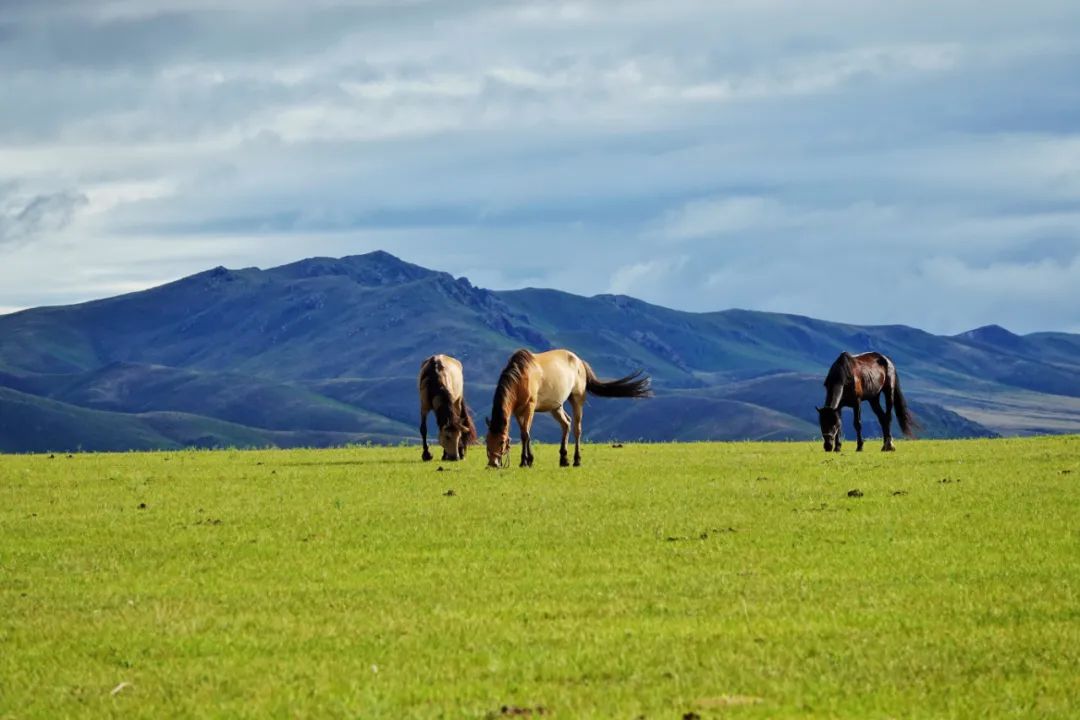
325, 351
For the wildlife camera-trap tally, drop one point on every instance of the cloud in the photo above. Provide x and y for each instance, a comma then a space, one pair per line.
639, 278
1013, 282
24, 219
577, 144
721, 216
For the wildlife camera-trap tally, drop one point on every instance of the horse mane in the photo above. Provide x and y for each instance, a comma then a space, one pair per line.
446, 413
515, 370
842, 372
471, 438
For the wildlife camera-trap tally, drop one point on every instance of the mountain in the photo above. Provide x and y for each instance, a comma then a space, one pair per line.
325, 351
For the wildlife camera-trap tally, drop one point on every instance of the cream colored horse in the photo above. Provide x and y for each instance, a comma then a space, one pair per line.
441, 385
543, 383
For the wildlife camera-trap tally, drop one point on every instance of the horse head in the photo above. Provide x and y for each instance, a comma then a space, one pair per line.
450, 438
829, 420
498, 447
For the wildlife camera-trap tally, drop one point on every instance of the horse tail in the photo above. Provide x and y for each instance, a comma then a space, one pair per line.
908, 423
634, 385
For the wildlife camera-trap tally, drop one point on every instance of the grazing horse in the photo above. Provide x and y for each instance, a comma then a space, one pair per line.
543, 383
442, 388
854, 378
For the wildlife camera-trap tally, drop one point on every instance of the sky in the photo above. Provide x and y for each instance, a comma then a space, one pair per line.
911, 162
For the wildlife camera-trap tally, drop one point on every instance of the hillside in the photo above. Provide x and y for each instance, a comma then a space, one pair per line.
325, 351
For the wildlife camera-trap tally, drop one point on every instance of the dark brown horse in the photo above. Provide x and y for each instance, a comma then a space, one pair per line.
441, 385
544, 383
854, 378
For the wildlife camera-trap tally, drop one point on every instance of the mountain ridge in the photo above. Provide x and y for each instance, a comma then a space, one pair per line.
335, 343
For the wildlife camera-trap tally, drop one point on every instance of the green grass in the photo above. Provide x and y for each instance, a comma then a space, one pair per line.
728, 580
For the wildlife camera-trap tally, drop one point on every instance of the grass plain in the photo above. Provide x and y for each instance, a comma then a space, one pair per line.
742, 580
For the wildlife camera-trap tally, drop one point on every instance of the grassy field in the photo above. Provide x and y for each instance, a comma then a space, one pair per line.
661, 581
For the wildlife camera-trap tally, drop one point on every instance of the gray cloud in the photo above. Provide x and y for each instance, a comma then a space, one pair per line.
699, 154
23, 219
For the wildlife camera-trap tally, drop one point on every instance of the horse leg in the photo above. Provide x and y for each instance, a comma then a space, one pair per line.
444, 457
579, 407
525, 420
524, 443
839, 429
463, 444
858, 426
564, 422
886, 424
885, 421
532, 416
423, 436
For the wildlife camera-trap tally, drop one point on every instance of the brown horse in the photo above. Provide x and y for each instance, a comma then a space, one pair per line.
543, 383
854, 378
442, 388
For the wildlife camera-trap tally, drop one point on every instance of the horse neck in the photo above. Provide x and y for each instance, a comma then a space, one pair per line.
505, 399
833, 395
444, 410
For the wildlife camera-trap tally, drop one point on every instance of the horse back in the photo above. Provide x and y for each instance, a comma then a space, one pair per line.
441, 373
870, 374
562, 374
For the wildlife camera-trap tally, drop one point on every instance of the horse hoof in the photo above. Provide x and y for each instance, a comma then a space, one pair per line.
427, 457
858, 449
888, 448
563, 462
577, 462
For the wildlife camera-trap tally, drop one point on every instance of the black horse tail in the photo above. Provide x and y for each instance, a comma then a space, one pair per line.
908, 423
634, 385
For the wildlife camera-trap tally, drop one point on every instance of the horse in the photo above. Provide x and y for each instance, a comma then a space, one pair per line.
854, 378
543, 382
441, 385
